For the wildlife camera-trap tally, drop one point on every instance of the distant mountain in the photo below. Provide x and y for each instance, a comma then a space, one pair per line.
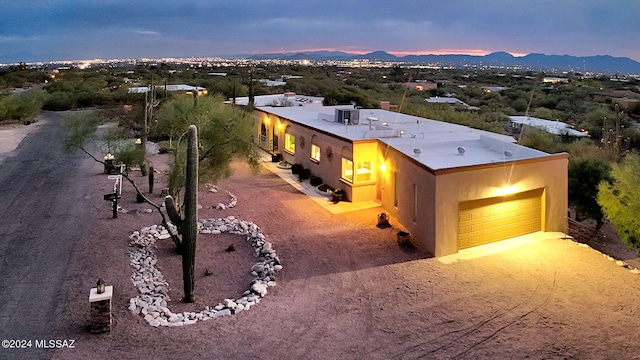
535, 62
378, 55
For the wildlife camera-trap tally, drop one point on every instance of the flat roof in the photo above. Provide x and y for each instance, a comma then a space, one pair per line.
269, 100
551, 126
182, 87
441, 145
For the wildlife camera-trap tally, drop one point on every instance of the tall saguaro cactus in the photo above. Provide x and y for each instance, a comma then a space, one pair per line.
188, 227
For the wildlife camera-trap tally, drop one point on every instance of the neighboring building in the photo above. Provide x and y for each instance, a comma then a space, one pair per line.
451, 101
184, 88
555, 80
553, 127
387, 105
490, 89
271, 83
420, 85
451, 186
285, 100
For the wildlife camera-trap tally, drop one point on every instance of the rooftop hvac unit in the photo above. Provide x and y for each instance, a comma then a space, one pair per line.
351, 115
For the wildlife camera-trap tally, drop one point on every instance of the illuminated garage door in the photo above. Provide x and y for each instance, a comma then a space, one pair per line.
494, 219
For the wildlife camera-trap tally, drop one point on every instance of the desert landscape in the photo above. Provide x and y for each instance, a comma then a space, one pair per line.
346, 289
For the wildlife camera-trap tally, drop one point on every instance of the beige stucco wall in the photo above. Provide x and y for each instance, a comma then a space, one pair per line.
434, 226
328, 168
406, 172
480, 182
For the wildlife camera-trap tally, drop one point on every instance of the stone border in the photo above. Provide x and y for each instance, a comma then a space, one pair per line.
608, 257
233, 200
153, 288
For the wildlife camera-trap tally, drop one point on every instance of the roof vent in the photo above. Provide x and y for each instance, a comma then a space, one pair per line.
371, 118
461, 150
417, 151
508, 153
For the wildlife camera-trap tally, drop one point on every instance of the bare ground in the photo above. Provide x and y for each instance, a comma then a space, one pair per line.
347, 291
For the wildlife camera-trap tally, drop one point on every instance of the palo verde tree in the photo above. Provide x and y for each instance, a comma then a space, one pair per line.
224, 132
584, 176
81, 128
620, 199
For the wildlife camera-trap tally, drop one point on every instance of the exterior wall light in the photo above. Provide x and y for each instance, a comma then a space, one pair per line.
100, 286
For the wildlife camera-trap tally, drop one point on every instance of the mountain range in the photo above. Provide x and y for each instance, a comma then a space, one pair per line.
536, 62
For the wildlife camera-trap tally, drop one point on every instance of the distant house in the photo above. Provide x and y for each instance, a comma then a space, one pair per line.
279, 100
551, 126
386, 105
555, 80
450, 186
420, 85
184, 88
490, 89
453, 102
271, 83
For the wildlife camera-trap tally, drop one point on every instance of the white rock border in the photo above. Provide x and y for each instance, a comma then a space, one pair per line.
233, 200
608, 257
153, 288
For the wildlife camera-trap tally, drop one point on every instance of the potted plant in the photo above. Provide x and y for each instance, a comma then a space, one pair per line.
383, 221
337, 195
315, 180
295, 168
403, 238
304, 174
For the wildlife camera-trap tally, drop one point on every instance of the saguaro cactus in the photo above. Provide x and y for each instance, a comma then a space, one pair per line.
187, 227
151, 180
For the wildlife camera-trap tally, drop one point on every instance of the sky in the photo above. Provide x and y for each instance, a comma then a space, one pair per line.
106, 29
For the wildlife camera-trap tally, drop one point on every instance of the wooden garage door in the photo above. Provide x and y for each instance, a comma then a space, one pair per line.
494, 219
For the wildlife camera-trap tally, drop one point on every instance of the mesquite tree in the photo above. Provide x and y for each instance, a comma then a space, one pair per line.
188, 226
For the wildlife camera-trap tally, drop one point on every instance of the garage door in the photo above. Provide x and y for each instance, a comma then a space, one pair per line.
494, 219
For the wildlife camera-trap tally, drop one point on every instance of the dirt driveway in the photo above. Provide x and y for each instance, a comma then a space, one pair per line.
347, 291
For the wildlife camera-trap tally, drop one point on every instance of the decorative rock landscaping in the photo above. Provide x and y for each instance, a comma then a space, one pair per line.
152, 303
233, 200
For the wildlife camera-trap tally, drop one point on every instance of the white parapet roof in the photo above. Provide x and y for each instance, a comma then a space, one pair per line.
551, 126
144, 89
438, 145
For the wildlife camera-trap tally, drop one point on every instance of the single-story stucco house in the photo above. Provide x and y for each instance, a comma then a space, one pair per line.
452, 187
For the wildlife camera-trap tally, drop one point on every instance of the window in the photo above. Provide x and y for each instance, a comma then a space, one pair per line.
290, 143
365, 171
415, 202
395, 189
347, 169
315, 152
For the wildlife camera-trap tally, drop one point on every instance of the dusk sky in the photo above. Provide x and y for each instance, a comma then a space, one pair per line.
88, 29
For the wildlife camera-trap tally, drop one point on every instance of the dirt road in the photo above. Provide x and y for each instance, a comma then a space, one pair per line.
42, 195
